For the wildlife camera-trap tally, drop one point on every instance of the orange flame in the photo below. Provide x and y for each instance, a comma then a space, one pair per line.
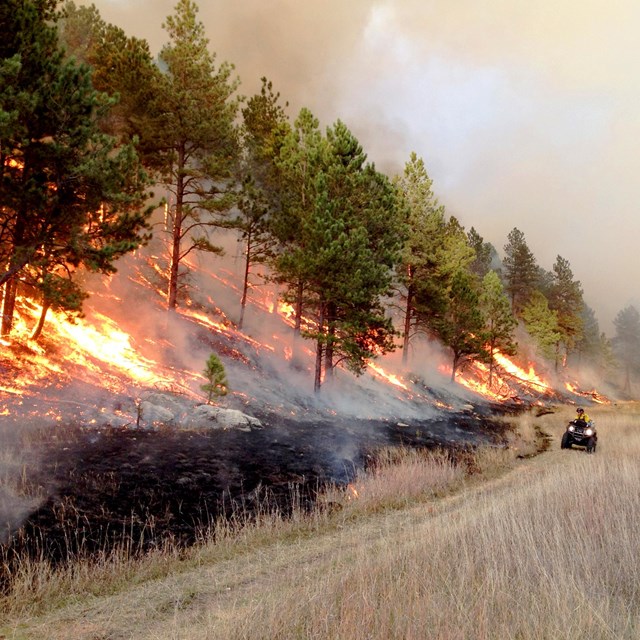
389, 377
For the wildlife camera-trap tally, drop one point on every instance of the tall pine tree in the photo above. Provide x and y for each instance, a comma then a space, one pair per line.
500, 323
521, 272
196, 139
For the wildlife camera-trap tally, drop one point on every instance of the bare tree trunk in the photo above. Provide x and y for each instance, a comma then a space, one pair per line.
491, 365
406, 335
172, 296
331, 332
37, 331
11, 284
296, 345
245, 284
8, 305
298, 316
317, 383
454, 366
627, 380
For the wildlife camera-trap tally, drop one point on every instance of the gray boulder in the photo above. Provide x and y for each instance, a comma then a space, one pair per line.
207, 416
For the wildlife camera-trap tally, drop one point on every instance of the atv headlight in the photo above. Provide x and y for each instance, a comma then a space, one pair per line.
572, 428
588, 432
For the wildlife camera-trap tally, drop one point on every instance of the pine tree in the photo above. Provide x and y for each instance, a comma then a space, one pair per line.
461, 327
69, 197
339, 242
196, 139
500, 323
123, 68
521, 272
485, 254
217, 384
300, 161
265, 126
565, 298
435, 249
588, 347
542, 324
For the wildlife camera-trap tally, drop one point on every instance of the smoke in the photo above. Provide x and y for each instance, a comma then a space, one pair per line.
19, 495
525, 113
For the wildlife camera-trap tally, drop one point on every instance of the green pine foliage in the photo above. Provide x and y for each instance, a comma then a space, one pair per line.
565, 298
485, 254
541, 324
123, 68
339, 232
70, 197
216, 376
265, 126
435, 249
462, 326
500, 323
521, 271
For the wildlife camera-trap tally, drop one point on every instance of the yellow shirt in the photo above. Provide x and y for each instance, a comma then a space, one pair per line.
584, 417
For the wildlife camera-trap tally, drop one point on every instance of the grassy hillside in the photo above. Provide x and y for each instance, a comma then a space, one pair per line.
494, 546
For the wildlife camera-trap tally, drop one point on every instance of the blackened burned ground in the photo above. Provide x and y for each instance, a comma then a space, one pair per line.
140, 488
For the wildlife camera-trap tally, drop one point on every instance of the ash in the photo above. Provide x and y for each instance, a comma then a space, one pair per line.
102, 486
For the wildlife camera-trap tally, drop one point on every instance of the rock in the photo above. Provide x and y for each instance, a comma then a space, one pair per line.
211, 417
153, 414
176, 406
163, 409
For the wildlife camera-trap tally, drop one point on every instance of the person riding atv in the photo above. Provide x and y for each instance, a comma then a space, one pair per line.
580, 431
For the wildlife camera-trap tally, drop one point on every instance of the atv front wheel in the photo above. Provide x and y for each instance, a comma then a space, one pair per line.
591, 445
565, 443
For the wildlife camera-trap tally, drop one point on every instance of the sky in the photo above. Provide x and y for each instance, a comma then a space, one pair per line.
526, 114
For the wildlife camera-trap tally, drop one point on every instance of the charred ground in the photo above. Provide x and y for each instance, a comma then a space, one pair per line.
104, 487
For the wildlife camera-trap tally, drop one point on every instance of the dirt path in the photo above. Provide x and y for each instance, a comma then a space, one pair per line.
198, 599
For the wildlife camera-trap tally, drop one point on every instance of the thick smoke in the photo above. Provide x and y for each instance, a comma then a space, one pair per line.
523, 112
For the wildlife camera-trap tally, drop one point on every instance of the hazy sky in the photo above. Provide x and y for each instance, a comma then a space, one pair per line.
526, 114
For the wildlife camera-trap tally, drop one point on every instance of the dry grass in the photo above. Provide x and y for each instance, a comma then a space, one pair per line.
549, 550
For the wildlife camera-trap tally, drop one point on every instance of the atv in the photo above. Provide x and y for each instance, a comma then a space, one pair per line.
580, 433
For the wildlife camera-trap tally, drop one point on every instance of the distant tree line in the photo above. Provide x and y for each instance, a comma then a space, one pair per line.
90, 122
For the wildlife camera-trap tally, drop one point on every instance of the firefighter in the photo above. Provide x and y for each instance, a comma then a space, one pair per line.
581, 415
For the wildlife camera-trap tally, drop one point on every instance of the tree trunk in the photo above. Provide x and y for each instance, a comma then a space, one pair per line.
298, 322
627, 379
491, 365
331, 332
245, 284
37, 331
454, 366
298, 318
172, 297
317, 383
8, 305
11, 284
407, 327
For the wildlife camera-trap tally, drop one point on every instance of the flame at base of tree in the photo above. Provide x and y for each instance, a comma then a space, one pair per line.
96, 351
510, 381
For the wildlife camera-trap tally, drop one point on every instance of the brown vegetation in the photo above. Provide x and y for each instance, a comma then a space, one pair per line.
426, 549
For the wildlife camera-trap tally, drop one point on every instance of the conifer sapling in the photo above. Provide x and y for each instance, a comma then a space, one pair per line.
217, 384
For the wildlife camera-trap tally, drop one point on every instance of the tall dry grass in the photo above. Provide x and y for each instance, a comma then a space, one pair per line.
425, 550
554, 554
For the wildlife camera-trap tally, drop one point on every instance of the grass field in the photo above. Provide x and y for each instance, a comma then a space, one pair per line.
541, 547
